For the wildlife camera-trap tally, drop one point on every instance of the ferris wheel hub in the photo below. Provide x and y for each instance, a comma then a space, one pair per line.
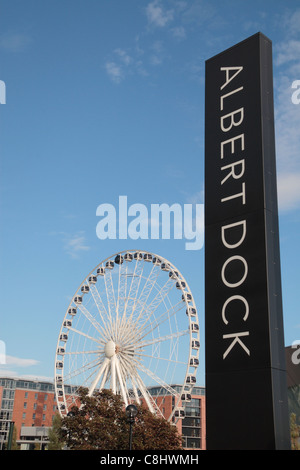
110, 349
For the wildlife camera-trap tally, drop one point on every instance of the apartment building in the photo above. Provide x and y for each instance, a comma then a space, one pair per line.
28, 403
192, 424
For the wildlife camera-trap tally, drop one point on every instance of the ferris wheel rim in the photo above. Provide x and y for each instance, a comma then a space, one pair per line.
115, 366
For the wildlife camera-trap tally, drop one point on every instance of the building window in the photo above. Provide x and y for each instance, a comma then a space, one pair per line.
25, 405
26, 394
24, 416
193, 443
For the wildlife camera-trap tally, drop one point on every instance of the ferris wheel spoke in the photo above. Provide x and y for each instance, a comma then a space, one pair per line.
159, 298
146, 395
97, 378
152, 405
102, 310
161, 339
127, 302
121, 381
122, 287
75, 372
159, 381
104, 379
72, 353
134, 287
92, 320
146, 328
135, 390
161, 294
129, 363
146, 291
81, 333
110, 295
113, 374
167, 359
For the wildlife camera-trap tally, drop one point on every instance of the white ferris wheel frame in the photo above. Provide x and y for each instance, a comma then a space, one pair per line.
116, 330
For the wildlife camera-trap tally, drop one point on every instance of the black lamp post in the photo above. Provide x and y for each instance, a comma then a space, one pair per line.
131, 412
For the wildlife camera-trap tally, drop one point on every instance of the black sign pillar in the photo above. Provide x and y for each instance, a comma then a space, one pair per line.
246, 388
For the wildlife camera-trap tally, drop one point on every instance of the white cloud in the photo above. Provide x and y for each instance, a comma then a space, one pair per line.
14, 42
121, 64
114, 71
288, 191
74, 244
124, 56
287, 52
292, 22
137, 59
19, 362
157, 16
196, 198
158, 53
179, 32
16, 375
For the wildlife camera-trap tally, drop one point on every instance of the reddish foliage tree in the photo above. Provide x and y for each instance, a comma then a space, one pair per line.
101, 423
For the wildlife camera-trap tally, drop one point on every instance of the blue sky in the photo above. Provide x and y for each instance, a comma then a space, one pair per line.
106, 98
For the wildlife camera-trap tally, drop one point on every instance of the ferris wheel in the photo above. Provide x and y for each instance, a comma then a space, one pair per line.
131, 327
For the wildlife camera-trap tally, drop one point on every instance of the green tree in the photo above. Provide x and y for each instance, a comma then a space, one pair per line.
101, 423
295, 432
55, 440
14, 445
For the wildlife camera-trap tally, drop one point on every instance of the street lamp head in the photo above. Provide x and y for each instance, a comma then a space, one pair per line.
131, 412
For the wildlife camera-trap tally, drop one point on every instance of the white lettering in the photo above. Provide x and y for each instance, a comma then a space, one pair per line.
230, 260
228, 77
2, 92
140, 221
198, 234
232, 122
235, 297
228, 94
109, 221
296, 95
236, 340
230, 226
232, 140
165, 211
242, 195
111, 460
296, 354
171, 216
232, 172
123, 217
